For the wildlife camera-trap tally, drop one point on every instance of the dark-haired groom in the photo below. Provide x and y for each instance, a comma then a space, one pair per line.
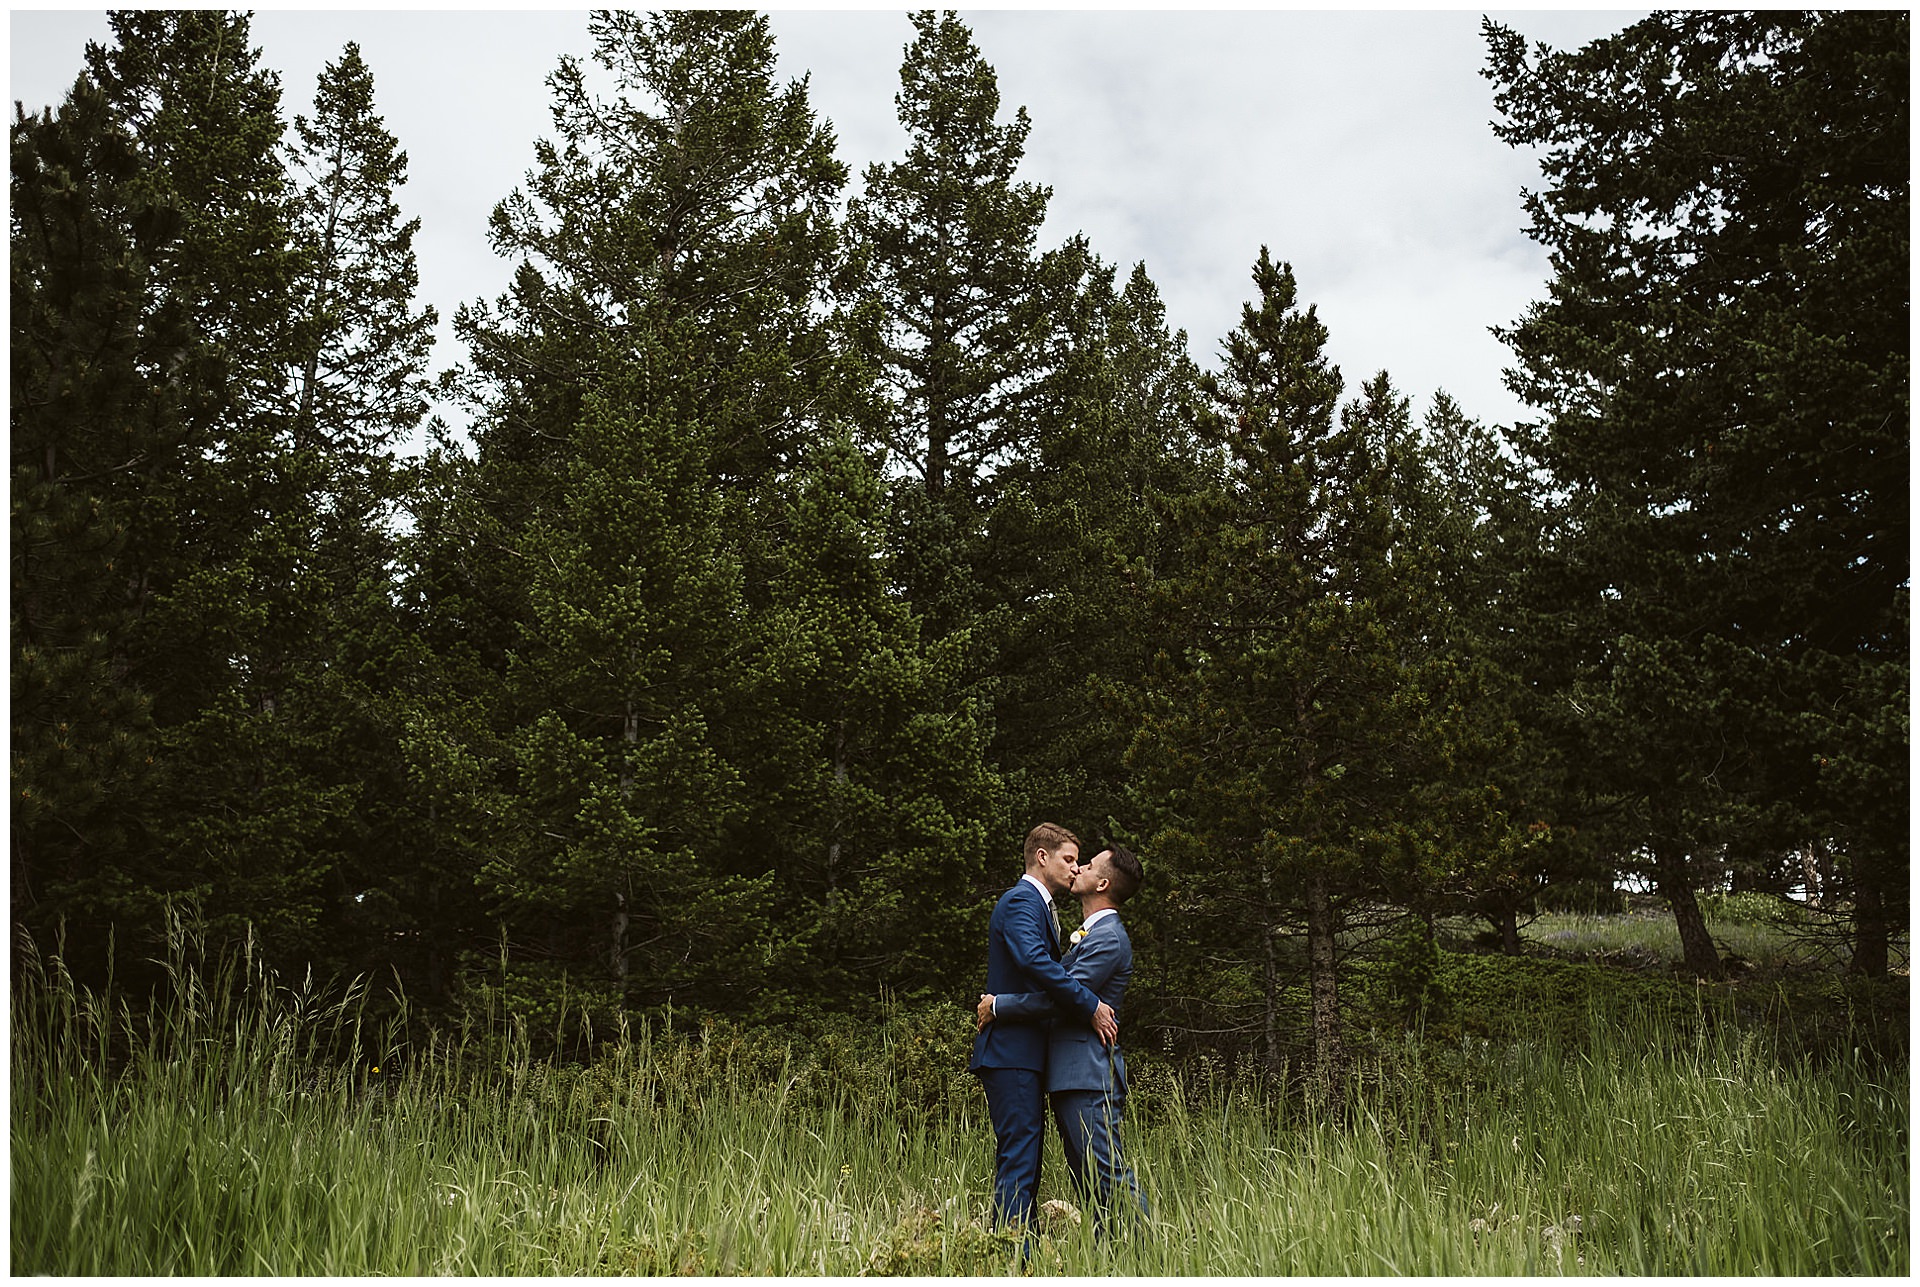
1086, 1078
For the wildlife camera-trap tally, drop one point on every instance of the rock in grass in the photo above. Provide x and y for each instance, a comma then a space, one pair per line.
1056, 1215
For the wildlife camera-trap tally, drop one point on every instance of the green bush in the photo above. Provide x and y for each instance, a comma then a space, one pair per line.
1752, 909
1413, 974
1534, 998
1584, 897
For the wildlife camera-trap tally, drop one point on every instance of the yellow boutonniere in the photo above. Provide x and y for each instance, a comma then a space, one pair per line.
1073, 939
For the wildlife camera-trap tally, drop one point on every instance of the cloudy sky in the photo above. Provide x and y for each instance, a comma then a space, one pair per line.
1355, 145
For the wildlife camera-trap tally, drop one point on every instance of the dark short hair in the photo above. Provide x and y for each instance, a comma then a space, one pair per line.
1127, 872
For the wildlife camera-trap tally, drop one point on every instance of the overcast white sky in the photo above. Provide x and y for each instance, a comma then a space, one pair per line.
1356, 145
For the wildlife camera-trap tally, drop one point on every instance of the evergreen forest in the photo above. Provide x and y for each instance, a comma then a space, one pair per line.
792, 537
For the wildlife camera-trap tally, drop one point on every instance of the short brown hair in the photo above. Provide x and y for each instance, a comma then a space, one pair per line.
1048, 835
1127, 872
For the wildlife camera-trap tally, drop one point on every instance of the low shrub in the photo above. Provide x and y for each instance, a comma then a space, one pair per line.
1534, 998
1749, 908
1583, 897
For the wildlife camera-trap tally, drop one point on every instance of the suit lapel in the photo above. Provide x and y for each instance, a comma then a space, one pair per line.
1088, 935
1049, 918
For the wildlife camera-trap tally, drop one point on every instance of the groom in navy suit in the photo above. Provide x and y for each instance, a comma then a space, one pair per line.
1087, 1079
1023, 955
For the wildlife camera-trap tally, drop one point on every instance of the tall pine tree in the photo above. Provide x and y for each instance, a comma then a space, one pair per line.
600, 573
1296, 734
1722, 370
872, 793
356, 390
1073, 534
206, 619
89, 433
945, 248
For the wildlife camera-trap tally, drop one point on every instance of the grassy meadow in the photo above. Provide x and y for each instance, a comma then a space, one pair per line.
225, 1140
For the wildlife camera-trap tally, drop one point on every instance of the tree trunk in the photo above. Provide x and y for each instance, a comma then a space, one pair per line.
1812, 875
938, 429
438, 984
1329, 1055
629, 734
1270, 978
1870, 929
1744, 879
617, 938
1507, 921
1696, 945
839, 795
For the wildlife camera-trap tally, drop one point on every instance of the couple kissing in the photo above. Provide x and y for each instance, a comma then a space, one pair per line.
1048, 1026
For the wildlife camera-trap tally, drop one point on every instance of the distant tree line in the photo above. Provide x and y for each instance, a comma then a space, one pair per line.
807, 539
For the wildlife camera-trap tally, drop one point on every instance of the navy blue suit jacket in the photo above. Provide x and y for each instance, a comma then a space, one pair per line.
1076, 1059
1022, 956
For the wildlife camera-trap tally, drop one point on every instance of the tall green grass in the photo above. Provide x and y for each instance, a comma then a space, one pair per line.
222, 1140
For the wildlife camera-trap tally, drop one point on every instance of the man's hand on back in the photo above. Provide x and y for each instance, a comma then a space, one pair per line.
1106, 1025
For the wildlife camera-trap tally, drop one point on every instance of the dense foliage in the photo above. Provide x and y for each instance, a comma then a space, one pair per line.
1721, 365
804, 543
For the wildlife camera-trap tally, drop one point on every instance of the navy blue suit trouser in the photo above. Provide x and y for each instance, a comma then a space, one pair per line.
1016, 1105
1089, 1123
